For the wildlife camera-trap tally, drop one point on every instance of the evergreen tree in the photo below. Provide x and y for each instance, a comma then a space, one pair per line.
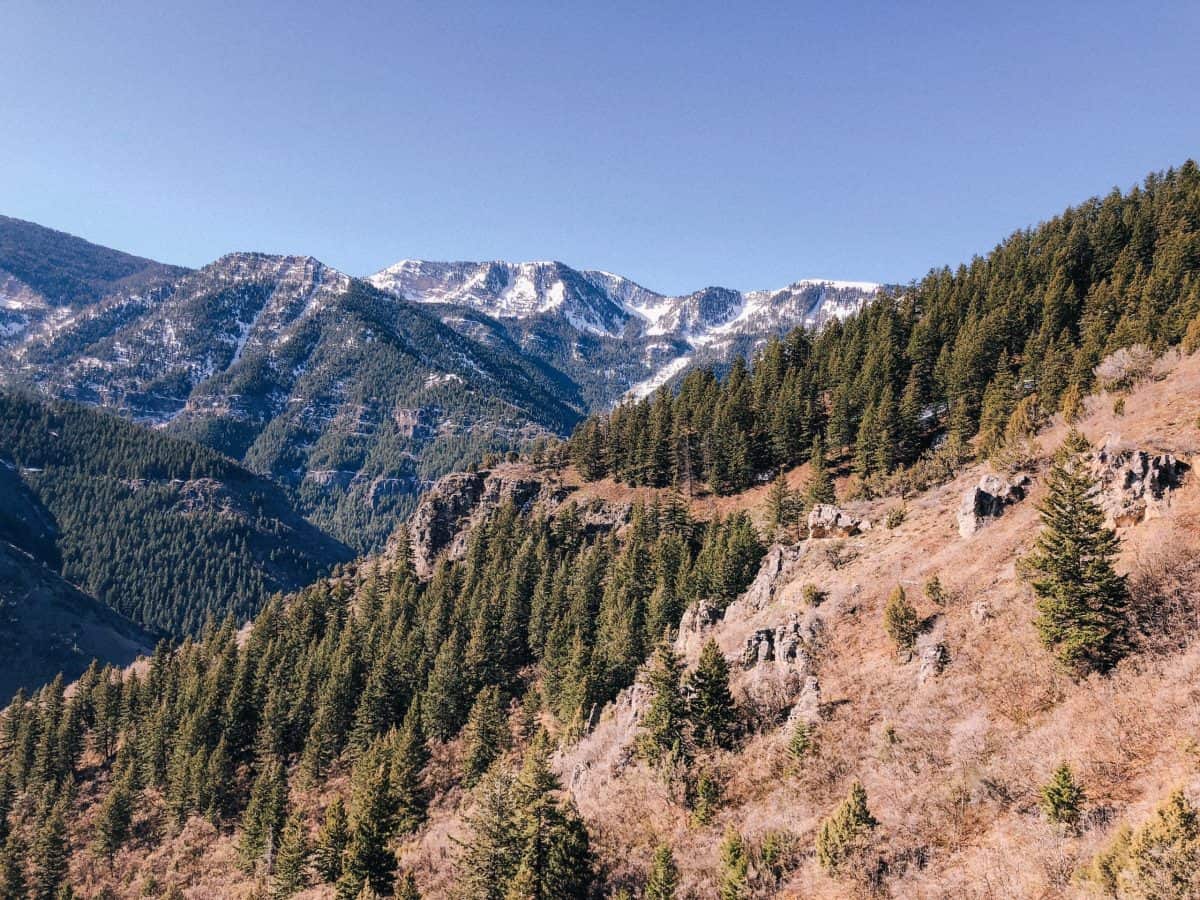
410, 753
846, 834
1062, 798
664, 876
492, 851
290, 876
406, 888
115, 818
264, 817
711, 709
13, 880
900, 621
332, 841
556, 860
50, 854
1082, 601
734, 881
782, 507
802, 743
660, 739
369, 862
486, 734
820, 484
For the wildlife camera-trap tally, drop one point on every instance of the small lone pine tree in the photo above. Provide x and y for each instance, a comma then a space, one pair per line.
116, 816
782, 505
1062, 798
664, 876
900, 621
847, 833
802, 742
1082, 602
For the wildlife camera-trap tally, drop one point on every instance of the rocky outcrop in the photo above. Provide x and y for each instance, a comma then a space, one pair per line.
1134, 484
778, 664
456, 502
828, 521
775, 572
987, 500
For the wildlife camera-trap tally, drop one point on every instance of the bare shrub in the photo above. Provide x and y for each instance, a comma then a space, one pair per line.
1164, 599
1124, 368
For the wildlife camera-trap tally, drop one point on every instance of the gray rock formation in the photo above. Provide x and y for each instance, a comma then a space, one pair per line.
827, 521
1134, 484
446, 512
987, 500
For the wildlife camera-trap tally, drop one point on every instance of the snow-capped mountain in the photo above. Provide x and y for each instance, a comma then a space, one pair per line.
604, 305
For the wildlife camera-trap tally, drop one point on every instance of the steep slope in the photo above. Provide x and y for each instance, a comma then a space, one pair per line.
611, 334
954, 742
161, 530
47, 625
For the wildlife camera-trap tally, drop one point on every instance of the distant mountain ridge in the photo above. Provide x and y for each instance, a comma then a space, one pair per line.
606, 305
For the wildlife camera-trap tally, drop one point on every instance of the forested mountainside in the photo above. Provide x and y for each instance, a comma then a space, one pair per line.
163, 531
957, 351
44, 272
970, 678
350, 396
46, 625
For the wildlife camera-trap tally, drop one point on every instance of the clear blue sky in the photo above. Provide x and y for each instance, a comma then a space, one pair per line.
682, 144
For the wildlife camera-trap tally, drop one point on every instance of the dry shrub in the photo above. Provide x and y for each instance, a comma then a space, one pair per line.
1122, 369
1164, 598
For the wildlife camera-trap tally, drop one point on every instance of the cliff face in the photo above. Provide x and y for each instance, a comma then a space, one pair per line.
456, 503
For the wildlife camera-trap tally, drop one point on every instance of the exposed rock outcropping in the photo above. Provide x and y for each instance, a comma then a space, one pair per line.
987, 501
1134, 484
827, 521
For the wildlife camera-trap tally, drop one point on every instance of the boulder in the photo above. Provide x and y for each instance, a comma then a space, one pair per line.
828, 521
807, 707
1134, 484
933, 657
987, 500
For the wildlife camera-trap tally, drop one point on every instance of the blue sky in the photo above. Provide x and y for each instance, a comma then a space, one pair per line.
681, 144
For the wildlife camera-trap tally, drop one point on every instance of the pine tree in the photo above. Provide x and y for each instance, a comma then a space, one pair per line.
556, 861
115, 818
410, 753
660, 739
781, 505
846, 834
50, 854
820, 484
332, 841
900, 621
1062, 798
1082, 602
264, 816
13, 881
711, 709
290, 876
406, 888
664, 876
486, 734
802, 743
734, 881
369, 862
492, 851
